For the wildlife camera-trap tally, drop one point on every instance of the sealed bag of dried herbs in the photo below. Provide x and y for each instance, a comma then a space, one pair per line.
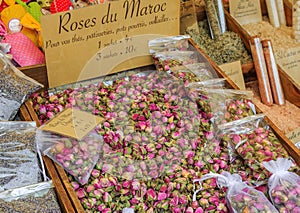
39, 197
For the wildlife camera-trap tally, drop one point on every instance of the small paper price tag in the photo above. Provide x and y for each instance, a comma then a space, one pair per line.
234, 71
289, 61
73, 123
245, 11
294, 136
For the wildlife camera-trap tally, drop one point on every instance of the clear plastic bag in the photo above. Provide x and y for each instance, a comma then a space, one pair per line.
15, 88
38, 198
19, 160
284, 186
214, 83
164, 61
196, 72
239, 196
253, 140
170, 43
77, 157
229, 105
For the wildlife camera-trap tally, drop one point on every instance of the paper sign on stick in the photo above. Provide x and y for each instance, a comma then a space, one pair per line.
73, 38
294, 136
73, 123
245, 11
235, 73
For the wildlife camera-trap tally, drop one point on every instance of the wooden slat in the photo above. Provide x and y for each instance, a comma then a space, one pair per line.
27, 114
24, 114
38, 73
291, 89
288, 8
71, 193
62, 195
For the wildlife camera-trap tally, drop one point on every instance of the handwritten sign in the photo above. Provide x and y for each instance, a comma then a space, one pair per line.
289, 61
294, 136
73, 38
73, 123
245, 11
234, 71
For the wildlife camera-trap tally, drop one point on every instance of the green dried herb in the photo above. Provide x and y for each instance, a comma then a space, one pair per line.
15, 87
213, 20
228, 47
45, 204
19, 163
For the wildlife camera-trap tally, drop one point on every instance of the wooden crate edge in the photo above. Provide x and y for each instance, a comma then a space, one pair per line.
27, 113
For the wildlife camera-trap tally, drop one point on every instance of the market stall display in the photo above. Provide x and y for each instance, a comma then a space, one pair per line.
127, 182
176, 136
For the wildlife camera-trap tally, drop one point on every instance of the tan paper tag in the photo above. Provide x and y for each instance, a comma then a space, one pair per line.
234, 71
245, 11
289, 61
294, 136
73, 123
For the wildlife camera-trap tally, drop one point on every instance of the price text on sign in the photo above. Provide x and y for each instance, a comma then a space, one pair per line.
73, 38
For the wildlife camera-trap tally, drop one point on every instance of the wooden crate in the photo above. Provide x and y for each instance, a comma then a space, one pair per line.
52, 169
60, 176
290, 88
37, 72
201, 15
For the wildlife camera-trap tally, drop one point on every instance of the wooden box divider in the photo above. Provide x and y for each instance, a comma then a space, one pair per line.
27, 114
60, 176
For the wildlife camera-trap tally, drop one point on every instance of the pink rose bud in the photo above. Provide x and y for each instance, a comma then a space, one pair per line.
189, 210
161, 196
199, 210
151, 195
80, 193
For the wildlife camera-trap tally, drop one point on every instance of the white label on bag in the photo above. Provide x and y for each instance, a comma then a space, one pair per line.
14, 25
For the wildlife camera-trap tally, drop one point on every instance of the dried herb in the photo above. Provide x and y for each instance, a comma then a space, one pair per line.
45, 204
229, 47
19, 163
15, 87
213, 20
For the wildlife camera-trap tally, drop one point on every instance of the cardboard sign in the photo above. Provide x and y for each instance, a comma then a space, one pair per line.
294, 136
289, 61
73, 123
234, 71
73, 38
245, 11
